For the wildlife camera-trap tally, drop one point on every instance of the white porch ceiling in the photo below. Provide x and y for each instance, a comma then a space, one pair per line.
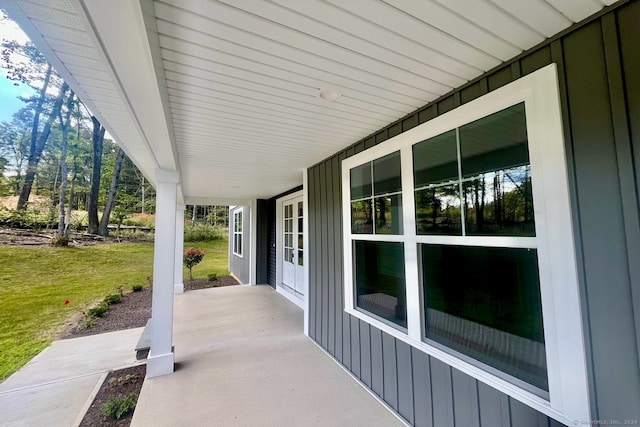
225, 90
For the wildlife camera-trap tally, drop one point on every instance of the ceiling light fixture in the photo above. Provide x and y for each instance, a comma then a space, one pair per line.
329, 94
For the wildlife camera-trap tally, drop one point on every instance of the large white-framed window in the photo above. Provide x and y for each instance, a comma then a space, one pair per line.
458, 240
237, 232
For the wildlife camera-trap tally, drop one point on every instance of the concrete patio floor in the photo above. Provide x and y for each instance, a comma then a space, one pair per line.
242, 360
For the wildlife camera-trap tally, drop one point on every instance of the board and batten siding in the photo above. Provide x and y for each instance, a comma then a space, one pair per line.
240, 267
599, 72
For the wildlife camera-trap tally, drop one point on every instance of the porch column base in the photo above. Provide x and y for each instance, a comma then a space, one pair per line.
161, 364
178, 288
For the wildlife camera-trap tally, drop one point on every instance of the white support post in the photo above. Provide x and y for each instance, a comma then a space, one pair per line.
178, 285
161, 360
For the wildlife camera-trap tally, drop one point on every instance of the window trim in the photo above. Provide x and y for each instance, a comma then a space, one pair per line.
237, 234
562, 313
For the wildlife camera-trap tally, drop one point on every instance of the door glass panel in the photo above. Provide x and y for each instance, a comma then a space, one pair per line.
300, 209
300, 258
300, 241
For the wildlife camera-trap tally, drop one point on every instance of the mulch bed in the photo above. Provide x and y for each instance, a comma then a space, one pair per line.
132, 312
194, 284
117, 383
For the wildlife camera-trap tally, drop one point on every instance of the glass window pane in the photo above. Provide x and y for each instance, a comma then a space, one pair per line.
239, 251
485, 303
438, 210
361, 217
299, 209
500, 203
300, 241
361, 181
300, 258
299, 225
386, 174
380, 280
495, 142
435, 160
389, 214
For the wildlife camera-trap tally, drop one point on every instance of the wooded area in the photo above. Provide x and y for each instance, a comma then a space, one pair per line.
54, 150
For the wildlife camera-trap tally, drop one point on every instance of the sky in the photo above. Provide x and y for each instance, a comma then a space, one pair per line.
9, 103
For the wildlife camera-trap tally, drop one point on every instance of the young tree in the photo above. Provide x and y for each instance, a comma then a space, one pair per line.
98, 142
191, 258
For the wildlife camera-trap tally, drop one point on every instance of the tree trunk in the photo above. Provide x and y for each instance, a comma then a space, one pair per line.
143, 202
37, 144
98, 140
104, 222
62, 230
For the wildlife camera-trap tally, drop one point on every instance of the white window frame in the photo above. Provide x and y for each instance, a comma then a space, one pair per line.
238, 234
568, 398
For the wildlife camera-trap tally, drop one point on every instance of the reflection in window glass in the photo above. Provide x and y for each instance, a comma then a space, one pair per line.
500, 203
362, 217
493, 171
495, 142
435, 160
376, 208
485, 303
380, 280
388, 214
361, 181
438, 210
386, 174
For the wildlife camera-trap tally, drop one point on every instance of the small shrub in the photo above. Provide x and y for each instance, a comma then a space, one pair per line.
117, 407
98, 311
120, 290
212, 277
113, 299
192, 257
60, 241
137, 288
89, 323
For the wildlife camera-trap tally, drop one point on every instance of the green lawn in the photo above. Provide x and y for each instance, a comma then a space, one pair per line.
35, 282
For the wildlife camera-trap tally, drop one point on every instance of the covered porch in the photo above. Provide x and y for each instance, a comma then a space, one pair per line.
242, 359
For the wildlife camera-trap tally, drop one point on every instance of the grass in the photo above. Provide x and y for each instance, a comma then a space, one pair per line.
216, 259
35, 282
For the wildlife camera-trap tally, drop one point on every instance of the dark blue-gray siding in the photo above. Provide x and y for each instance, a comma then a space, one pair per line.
599, 65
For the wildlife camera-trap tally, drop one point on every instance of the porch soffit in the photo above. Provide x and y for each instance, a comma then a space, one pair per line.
225, 90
